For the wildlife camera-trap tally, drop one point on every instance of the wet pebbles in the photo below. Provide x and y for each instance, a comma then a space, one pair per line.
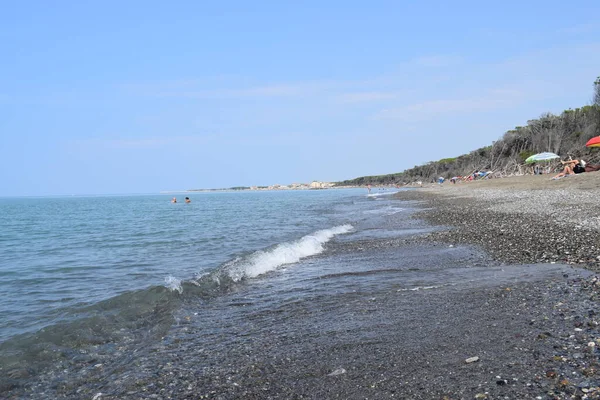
536, 226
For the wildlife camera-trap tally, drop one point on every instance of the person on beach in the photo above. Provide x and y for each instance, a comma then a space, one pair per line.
592, 168
572, 167
187, 200
369, 188
174, 200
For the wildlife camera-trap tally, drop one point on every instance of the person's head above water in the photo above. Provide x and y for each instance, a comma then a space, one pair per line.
187, 200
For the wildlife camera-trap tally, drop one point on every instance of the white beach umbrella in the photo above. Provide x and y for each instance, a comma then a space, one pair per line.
541, 157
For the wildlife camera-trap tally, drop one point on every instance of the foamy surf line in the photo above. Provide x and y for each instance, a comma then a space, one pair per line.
381, 194
263, 261
417, 288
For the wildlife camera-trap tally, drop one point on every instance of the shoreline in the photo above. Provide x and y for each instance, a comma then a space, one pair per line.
534, 329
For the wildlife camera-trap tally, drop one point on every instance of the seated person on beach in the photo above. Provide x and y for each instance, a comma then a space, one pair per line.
571, 167
480, 174
187, 200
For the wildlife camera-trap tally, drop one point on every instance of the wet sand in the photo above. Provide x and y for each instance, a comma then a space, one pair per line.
401, 322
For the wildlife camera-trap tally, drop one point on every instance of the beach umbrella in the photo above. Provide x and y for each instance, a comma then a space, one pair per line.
541, 157
593, 142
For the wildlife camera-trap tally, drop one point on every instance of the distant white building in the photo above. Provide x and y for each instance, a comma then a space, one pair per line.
320, 185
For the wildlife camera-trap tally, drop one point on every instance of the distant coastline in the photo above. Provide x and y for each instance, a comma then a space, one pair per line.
314, 185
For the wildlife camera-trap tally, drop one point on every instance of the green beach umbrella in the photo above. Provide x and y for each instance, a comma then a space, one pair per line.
541, 157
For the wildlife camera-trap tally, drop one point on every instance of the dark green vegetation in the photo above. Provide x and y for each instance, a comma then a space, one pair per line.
564, 134
240, 188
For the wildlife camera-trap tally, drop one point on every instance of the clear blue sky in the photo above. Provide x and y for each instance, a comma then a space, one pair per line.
139, 97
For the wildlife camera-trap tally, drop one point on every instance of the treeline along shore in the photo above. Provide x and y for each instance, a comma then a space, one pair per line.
564, 134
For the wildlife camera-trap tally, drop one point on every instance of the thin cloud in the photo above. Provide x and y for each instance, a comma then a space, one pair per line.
495, 99
437, 61
193, 91
139, 143
364, 97
274, 91
367, 89
580, 29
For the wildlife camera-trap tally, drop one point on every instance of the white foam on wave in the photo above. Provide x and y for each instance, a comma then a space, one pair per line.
390, 210
264, 261
417, 288
173, 284
380, 194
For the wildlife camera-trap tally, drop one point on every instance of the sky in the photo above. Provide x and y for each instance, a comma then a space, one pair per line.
107, 97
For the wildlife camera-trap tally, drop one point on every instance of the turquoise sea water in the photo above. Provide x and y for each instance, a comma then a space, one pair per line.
65, 258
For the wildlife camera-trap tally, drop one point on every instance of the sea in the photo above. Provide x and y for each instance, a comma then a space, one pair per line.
67, 261
88, 281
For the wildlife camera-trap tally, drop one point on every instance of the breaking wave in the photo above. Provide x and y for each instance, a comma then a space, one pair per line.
134, 316
263, 261
381, 194
173, 283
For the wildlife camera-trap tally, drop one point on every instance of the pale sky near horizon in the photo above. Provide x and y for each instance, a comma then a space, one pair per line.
105, 97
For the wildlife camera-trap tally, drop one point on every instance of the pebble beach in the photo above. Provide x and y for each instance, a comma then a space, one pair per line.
533, 219
526, 219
